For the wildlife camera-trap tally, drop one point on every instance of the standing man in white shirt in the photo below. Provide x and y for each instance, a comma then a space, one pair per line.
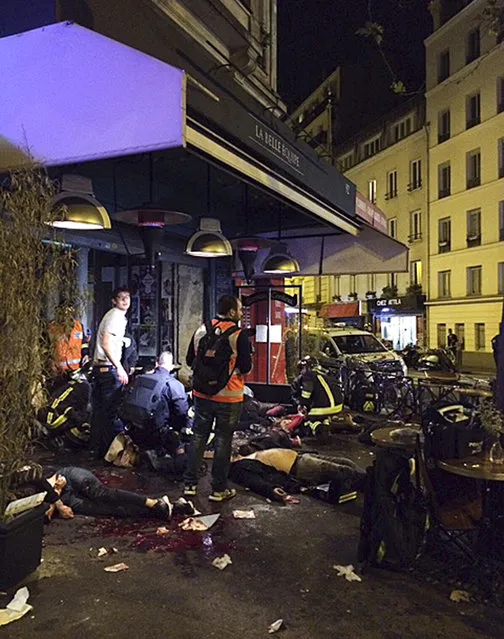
109, 373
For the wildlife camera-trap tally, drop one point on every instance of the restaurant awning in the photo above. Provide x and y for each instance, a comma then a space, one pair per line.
75, 96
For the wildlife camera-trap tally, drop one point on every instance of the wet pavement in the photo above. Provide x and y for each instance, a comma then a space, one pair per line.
282, 568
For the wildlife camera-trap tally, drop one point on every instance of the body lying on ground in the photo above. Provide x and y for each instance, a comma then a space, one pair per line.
276, 472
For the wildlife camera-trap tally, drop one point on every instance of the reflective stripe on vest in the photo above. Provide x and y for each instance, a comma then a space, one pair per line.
333, 408
68, 351
233, 391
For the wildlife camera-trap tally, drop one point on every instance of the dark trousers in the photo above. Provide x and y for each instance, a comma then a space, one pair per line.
91, 497
105, 424
226, 418
319, 469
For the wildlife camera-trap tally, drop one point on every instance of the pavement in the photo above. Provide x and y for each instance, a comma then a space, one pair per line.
282, 568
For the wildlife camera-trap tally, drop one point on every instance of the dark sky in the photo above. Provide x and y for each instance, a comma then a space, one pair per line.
315, 36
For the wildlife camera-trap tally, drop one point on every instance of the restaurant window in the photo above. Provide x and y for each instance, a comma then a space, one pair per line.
391, 185
444, 235
473, 110
473, 45
392, 226
444, 126
415, 175
460, 333
415, 226
372, 191
416, 272
444, 180
473, 168
444, 284
444, 65
479, 336
474, 280
474, 228
500, 278
441, 335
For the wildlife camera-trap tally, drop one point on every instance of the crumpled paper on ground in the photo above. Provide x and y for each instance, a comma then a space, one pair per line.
243, 514
222, 562
162, 531
347, 572
16, 608
460, 596
199, 523
116, 567
275, 626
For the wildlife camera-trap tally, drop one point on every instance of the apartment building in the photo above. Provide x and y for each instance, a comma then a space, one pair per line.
465, 108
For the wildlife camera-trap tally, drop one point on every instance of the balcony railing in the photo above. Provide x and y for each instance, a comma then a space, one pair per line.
473, 181
413, 186
391, 195
444, 192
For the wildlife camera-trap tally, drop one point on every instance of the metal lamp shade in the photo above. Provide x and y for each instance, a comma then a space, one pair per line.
152, 215
80, 212
280, 261
209, 240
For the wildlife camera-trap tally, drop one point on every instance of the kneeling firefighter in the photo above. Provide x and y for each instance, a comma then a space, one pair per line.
317, 394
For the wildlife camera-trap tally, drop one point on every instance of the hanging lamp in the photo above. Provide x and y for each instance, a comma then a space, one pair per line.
280, 261
79, 212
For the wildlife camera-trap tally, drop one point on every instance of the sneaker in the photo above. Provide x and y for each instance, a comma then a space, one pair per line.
190, 490
164, 508
223, 495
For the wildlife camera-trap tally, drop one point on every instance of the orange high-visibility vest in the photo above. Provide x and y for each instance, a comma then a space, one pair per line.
233, 391
67, 350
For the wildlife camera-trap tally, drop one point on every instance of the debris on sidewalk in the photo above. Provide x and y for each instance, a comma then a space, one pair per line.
275, 626
16, 608
102, 551
459, 596
162, 531
199, 523
291, 500
243, 514
347, 572
116, 567
222, 562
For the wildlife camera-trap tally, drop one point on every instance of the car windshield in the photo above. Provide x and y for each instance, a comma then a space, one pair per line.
354, 344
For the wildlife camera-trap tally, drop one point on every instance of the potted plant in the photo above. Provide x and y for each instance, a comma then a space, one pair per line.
414, 290
336, 298
492, 421
389, 292
33, 269
353, 296
370, 295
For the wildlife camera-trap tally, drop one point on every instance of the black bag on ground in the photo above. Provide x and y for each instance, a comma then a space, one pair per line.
364, 398
451, 432
211, 366
394, 520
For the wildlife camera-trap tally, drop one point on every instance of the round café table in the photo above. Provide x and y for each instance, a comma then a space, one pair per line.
383, 437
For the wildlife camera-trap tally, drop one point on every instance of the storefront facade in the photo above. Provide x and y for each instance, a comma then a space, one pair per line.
399, 321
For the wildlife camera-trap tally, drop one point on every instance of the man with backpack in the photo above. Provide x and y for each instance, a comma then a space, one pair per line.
219, 354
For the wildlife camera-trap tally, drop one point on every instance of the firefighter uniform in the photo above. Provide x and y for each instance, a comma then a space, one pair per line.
321, 396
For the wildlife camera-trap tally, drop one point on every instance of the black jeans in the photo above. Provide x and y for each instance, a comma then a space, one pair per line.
319, 469
226, 418
91, 497
105, 424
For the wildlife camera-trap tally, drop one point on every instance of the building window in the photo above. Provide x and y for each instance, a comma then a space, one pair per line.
474, 280
500, 94
392, 280
337, 286
402, 129
416, 272
372, 147
345, 162
444, 284
501, 157
501, 220
444, 65
441, 335
444, 235
372, 191
392, 226
473, 45
479, 336
444, 180
391, 185
444, 126
371, 283
473, 168
473, 110
500, 278
353, 284
460, 333
415, 175
474, 228
415, 226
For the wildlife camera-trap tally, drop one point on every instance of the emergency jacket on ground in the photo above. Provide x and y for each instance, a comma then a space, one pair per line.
318, 392
240, 362
68, 350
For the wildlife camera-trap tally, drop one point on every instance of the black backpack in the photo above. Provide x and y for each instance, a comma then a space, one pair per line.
211, 366
394, 520
139, 405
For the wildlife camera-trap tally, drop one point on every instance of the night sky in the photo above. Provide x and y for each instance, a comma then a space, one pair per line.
315, 36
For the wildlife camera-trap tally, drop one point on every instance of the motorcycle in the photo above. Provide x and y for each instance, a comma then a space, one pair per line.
437, 359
